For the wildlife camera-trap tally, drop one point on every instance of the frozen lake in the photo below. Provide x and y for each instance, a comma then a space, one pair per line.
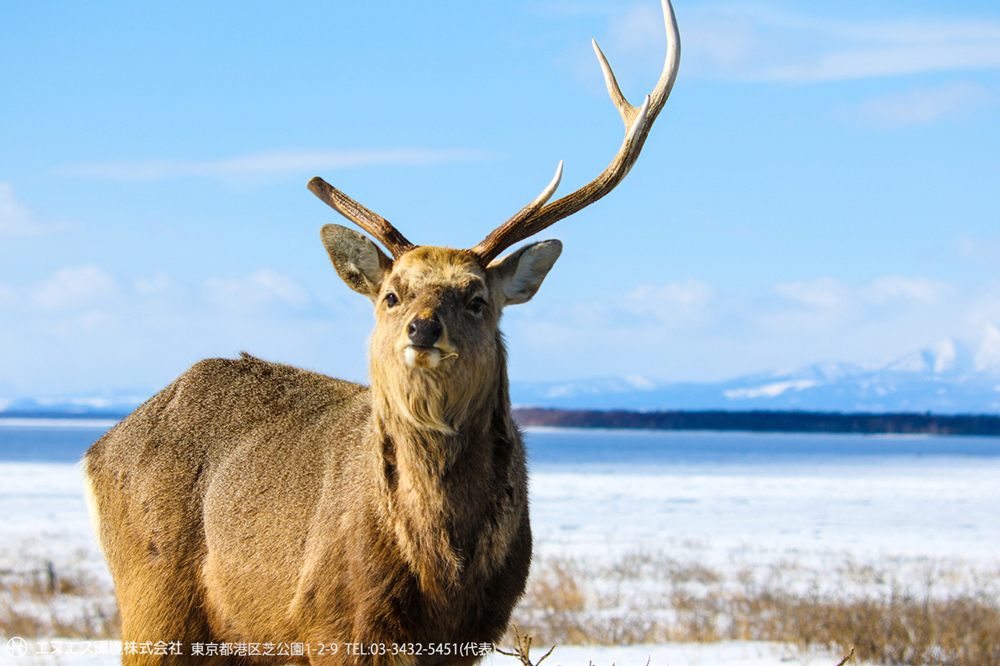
867, 495
723, 499
604, 492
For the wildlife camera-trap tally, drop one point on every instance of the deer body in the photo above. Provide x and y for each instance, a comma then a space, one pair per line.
257, 503
328, 567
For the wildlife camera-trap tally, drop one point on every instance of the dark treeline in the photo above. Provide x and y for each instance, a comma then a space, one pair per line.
764, 421
758, 421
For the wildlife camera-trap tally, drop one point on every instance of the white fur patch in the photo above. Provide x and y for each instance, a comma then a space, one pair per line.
92, 507
422, 358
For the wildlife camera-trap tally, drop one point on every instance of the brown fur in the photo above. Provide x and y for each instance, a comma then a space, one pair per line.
259, 503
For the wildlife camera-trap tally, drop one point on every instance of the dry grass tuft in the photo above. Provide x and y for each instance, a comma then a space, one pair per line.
649, 598
522, 649
40, 599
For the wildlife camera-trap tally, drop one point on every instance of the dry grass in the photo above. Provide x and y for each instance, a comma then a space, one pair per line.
42, 599
900, 613
522, 650
651, 598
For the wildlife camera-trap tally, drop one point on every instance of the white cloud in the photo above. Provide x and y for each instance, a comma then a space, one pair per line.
919, 106
82, 328
876, 61
896, 288
639, 28
7, 295
671, 301
985, 249
987, 353
722, 42
263, 288
74, 288
16, 219
271, 163
823, 294
806, 307
757, 43
697, 332
158, 284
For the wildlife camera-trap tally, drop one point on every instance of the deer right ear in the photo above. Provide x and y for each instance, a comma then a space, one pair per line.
358, 261
520, 273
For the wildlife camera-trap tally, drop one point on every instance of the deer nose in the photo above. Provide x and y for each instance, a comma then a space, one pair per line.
424, 332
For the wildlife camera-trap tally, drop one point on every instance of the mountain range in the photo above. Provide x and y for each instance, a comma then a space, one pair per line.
950, 377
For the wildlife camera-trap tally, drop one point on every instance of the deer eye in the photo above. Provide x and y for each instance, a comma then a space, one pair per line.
391, 300
476, 305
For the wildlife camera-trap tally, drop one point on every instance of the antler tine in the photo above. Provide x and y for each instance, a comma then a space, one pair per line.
542, 198
511, 225
626, 110
374, 224
638, 122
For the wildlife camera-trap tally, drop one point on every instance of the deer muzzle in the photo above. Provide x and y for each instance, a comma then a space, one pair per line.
425, 346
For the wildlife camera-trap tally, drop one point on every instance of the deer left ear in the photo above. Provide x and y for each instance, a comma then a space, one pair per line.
520, 273
358, 261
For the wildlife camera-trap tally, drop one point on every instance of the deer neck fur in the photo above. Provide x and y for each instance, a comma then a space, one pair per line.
452, 480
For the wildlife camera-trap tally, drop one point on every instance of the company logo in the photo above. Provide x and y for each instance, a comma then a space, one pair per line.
17, 647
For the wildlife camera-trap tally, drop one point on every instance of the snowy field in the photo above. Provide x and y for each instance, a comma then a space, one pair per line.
941, 508
920, 512
713, 654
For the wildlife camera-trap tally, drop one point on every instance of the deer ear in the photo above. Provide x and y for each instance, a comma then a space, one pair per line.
520, 273
358, 261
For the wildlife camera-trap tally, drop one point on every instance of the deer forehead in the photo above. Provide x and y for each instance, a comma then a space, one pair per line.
437, 267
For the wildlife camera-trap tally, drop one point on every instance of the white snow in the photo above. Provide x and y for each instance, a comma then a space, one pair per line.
769, 390
987, 357
727, 516
730, 653
919, 507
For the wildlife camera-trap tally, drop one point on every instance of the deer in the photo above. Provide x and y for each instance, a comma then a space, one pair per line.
254, 503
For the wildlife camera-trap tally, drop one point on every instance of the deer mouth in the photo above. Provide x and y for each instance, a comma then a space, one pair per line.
418, 356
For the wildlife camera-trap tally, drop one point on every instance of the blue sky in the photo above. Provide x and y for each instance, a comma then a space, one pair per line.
821, 186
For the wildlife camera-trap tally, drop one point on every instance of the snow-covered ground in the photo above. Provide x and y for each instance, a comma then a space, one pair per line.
908, 510
932, 507
731, 653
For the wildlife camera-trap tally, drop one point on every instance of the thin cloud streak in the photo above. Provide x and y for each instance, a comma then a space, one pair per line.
895, 60
757, 43
271, 163
921, 106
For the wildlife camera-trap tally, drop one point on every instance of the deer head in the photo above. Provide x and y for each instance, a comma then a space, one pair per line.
437, 348
436, 352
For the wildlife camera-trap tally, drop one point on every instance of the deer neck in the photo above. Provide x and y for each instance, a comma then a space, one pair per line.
441, 487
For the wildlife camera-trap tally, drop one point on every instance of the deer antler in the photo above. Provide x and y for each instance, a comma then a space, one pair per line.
537, 215
638, 121
374, 224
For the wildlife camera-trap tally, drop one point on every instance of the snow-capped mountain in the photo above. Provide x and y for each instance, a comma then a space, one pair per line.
951, 377
111, 403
